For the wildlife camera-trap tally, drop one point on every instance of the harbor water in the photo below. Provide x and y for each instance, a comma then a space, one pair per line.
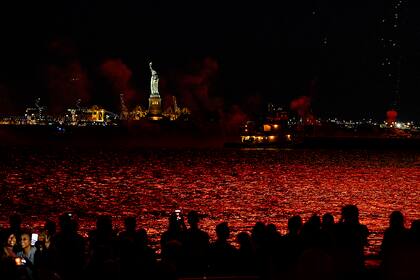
240, 186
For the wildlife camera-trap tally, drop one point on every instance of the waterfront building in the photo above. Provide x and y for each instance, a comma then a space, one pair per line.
124, 115
36, 115
95, 115
138, 113
89, 116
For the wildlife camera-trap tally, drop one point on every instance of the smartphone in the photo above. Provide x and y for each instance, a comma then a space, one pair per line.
34, 238
178, 214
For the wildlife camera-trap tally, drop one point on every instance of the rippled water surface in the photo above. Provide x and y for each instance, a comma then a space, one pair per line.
238, 186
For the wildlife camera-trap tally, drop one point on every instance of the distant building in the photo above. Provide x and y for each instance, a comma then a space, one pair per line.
94, 115
125, 115
138, 113
37, 114
174, 112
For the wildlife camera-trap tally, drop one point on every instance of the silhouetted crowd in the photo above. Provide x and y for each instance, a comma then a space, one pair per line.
320, 248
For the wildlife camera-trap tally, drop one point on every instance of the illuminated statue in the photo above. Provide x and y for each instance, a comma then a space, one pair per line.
155, 107
154, 81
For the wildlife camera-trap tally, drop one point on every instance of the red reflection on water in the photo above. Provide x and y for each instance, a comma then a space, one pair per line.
241, 187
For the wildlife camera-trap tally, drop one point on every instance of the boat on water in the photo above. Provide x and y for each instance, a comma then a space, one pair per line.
325, 142
278, 134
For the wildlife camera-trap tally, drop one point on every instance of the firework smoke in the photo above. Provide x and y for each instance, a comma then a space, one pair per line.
391, 116
119, 74
6, 104
233, 119
195, 87
66, 84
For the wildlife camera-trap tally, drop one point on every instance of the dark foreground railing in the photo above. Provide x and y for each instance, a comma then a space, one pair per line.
221, 278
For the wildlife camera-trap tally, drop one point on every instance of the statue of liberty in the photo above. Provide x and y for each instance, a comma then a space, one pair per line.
155, 106
154, 81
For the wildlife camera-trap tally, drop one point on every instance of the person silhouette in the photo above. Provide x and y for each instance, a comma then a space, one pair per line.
174, 234
196, 244
247, 258
223, 255
394, 246
102, 249
351, 238
70, 248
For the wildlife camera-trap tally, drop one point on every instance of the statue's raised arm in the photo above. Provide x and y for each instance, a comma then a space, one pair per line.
154, 81
151, 69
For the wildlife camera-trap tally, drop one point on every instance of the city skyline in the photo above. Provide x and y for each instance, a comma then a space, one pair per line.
215, 58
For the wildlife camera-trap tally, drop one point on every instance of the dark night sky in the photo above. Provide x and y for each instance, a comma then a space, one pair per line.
264, 52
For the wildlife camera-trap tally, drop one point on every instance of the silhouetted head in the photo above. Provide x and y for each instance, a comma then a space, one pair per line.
104, 223
350, 214
327, 220
66, 222
175, 223
244, 240
222, 231
172, 222
258, 231
50, 227
142, 237
130, 224
396, 220
271, 229
15, 220
314, 222
294, 224
415, 230
193, 218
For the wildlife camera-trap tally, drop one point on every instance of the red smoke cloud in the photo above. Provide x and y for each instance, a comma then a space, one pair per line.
6, 104
198, 92
195, 87
391, 116
210, 67
67, 80
119, 74
302, 106
62, 48
66, 84
6, 107
233, 119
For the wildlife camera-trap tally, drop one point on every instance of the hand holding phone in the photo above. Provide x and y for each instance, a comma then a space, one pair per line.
178, 214
20, 261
